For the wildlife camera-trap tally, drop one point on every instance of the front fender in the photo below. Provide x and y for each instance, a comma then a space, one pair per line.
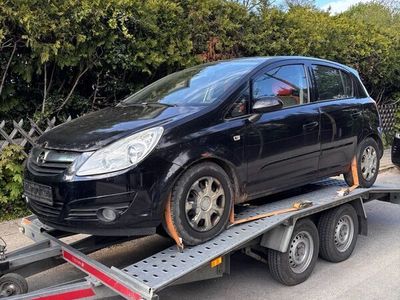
219, 147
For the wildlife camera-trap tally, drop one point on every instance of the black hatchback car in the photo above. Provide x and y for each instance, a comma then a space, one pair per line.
202, 140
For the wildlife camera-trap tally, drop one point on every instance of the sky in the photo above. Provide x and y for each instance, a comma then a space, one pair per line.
337, 6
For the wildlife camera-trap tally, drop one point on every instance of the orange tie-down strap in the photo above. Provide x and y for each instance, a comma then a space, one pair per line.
356, 183
295, 207
178, 240
171, 227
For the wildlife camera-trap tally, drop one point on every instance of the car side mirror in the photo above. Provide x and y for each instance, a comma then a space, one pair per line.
267, 104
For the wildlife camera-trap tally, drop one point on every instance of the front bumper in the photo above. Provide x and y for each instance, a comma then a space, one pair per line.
136, 195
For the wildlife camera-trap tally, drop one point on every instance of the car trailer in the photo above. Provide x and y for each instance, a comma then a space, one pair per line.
145, 278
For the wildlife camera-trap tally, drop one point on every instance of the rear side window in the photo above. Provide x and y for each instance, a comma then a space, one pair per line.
289, 83
332, 83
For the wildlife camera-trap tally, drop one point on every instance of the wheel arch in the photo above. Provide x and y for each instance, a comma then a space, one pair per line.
226, 166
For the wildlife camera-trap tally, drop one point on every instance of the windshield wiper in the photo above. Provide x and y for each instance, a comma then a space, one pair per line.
147, 104
159, 104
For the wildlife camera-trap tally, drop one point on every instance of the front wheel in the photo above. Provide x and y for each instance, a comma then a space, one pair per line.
367, 164
297, 263
201, 202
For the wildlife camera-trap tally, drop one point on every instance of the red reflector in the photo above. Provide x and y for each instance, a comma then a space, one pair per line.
78, 294
103, 277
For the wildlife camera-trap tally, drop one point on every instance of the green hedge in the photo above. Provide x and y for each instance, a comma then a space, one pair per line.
64, 57
11, 174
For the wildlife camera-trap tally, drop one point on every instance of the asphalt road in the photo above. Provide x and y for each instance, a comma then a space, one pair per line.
372, 272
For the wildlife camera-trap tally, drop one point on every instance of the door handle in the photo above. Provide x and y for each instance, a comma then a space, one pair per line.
310, 126
356, 115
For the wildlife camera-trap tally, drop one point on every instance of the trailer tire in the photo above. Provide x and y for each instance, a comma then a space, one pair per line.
284, 267
12, 284
338, 232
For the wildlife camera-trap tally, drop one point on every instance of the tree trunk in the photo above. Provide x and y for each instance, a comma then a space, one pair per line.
7, 67
51, 79
44, 88
72, 89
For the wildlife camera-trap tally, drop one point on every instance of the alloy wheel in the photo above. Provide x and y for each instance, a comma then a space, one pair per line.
205, 203
369, 159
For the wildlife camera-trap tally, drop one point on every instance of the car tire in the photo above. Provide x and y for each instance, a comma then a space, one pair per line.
365, 150
198, 213
338, 232
283, 266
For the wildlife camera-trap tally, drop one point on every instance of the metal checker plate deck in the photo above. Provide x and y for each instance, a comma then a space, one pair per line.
165, 267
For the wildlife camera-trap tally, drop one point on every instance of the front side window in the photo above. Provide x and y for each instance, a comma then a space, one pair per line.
288, 83
332, 83
240, 106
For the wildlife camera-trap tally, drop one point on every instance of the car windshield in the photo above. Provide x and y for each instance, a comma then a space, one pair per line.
197, 86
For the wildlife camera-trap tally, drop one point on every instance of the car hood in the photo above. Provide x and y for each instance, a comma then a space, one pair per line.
97, 129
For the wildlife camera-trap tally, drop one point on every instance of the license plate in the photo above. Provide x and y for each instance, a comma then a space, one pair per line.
38, 192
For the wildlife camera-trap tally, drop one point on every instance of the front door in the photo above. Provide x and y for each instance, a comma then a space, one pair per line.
282, 147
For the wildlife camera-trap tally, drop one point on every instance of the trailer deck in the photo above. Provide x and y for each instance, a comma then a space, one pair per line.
145, 278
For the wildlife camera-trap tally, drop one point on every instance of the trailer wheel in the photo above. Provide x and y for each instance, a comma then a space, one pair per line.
12, 284
338, 232
297, 263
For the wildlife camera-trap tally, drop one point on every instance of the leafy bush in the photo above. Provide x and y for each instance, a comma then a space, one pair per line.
11, 174
69, 57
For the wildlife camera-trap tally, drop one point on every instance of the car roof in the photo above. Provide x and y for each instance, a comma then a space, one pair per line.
270, 59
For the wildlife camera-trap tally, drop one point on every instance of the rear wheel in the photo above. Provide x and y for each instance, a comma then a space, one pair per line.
338, 232
297, 263
201, 202
367, 164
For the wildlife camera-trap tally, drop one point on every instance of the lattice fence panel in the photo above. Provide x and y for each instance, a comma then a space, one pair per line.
23, 133
388, 116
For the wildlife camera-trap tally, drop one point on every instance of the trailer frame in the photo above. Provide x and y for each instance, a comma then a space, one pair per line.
146, 278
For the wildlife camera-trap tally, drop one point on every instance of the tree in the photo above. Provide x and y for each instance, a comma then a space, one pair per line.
62, 57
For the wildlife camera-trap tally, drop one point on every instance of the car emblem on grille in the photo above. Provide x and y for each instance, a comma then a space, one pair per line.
42, 157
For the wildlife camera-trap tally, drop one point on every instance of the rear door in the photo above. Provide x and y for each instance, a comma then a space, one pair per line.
341, 117
282, 147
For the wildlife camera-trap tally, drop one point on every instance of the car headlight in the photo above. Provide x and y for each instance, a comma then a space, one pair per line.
121, 154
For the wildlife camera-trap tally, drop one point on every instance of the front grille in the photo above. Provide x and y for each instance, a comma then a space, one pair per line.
50, 162
45, 210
